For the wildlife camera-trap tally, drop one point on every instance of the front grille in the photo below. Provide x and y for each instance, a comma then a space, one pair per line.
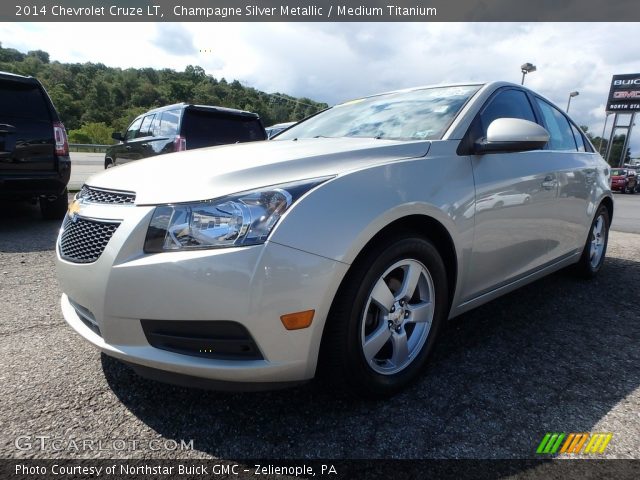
218, 339
84, 240
100, 195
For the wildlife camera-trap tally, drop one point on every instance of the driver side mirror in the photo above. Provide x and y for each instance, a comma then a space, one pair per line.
512, 135
117, 136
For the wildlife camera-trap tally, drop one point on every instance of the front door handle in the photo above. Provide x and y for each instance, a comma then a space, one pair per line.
549, 182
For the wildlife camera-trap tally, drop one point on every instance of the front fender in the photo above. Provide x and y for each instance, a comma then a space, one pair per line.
339, 218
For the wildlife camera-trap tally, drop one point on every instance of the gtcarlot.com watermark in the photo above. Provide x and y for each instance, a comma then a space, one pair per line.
47, 443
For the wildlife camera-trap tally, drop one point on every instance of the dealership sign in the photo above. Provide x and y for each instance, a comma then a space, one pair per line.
624, 95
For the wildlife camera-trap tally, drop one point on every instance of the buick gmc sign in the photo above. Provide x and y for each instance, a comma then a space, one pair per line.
624, 95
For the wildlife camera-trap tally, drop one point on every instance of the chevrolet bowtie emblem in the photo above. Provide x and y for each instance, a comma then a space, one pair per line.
74, 208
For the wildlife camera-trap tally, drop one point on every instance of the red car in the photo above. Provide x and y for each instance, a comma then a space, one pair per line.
624, 180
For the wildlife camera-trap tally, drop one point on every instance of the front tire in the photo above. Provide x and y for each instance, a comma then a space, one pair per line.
595, 248
54, 208
385, 318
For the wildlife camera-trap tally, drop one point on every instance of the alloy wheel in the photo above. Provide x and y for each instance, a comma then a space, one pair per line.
397, 317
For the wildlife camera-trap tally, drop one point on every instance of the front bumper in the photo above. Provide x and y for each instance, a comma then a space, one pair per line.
252, 286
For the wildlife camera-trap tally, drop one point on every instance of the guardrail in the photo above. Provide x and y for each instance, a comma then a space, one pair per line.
87, 147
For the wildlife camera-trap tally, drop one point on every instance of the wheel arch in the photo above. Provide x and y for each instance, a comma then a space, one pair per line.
608, 202
420, 225
426, 227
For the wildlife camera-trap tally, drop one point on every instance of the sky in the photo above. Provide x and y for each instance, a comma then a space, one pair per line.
333, 62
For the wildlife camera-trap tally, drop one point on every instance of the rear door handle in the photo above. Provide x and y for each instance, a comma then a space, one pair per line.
549, 182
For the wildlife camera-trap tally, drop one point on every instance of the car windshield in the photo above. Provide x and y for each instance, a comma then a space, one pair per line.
421, 114
617, 172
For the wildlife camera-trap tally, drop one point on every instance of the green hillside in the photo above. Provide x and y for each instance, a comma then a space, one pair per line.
93, 100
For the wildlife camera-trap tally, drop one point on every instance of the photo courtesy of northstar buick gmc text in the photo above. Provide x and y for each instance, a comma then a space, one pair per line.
339, 247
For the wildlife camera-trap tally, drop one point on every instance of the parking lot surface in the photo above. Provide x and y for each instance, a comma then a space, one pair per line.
560, 355
626, 217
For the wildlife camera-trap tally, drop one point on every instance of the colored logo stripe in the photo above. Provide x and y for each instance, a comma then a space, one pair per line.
574, 443
598, 443
550, 443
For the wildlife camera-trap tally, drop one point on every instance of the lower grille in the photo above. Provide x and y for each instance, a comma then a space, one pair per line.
84, 240
222, 340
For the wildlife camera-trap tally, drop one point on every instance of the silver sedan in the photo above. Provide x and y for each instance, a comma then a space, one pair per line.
338, 248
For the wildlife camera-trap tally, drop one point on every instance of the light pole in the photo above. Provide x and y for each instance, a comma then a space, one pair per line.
527, 68
571, 95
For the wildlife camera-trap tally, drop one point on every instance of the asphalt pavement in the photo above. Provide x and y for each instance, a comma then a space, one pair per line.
560, 355
626, 215
83, 165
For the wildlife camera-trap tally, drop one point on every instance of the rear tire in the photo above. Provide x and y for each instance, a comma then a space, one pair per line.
108, 163
56, 208
595, 247
385, 318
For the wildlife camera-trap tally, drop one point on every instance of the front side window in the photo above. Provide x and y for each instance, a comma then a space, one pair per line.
146, 126
560, 133
506, 104
410, 115
133, 129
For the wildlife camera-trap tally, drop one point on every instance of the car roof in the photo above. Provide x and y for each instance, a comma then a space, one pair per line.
18, 78
487, 85
211, 108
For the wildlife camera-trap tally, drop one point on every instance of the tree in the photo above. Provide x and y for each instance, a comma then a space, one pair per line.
98, 133
40, 55
90, 94
616, 151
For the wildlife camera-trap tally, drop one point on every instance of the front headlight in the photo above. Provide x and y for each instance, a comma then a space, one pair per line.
237, 220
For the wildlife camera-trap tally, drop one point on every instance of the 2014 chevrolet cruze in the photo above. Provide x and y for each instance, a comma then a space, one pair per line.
342, 245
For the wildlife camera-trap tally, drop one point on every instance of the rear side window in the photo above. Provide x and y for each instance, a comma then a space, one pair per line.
560, 132
507, 104
169, 123
23, 100
579, 139
202, 129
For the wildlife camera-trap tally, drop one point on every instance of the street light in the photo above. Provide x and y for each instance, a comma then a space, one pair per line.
572, 94
527, 68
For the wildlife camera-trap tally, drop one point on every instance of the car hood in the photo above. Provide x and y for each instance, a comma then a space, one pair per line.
214, 172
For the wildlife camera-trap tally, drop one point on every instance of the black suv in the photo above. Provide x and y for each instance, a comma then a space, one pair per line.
183, 127
34, 151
